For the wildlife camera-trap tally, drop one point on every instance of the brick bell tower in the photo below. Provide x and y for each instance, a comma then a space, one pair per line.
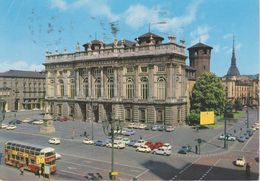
199, 56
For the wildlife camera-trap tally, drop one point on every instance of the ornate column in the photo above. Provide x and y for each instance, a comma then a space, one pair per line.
151, 81
89, 83
136, 82
115, 82
102, 82
170, 89
65, 82
77, 82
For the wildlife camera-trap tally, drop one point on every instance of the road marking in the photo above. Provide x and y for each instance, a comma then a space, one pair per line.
142, 173
72, 168
102, 161
207, 172
246, 143
185, 168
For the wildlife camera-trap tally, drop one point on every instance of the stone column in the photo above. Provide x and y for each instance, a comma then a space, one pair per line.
136, 82
174, 80
115, 81
102, 82
65, 82
89, 83
151, 81
170, 88
55, 83
77, 82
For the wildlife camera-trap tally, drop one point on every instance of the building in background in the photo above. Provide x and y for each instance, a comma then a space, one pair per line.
143, 81
243, 87
22, 89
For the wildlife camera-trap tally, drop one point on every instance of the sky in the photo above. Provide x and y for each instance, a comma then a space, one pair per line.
29, 28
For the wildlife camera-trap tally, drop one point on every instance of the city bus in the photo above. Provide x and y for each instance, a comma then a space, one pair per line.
30, 157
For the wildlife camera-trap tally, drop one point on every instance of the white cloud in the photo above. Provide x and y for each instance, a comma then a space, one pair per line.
19, 65
95, 8
201, 34
227, 36
60, 4
137, 16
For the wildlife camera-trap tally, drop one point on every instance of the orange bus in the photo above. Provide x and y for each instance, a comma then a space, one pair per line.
30, 157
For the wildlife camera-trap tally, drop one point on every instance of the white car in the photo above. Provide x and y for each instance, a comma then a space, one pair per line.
142, 126
38, 122
117, 144
169, 128
143, 148
11, 127
119, 138
162, 151
35, 109
125, 140
54, 141
26, 120
240, 162
58, 156
167, 146
139, 143
4, 126
88, 141
131, 125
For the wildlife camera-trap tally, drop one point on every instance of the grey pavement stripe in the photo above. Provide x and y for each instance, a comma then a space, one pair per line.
142, 173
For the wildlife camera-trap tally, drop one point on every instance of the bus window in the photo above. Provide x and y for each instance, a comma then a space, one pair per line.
27, 149
51, 162
49, 154
32, 151
17, 157
13, 156
32, 161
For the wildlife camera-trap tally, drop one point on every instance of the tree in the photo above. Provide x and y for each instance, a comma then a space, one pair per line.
238, 106
193, 118
208, 94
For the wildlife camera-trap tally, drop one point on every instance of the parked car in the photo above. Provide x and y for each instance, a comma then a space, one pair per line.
136, 125
139, 143
161, 128
4, 126
131, 143
54, 141
117, 144
229, 137
162, 151
185, 149
142, 126
240, 162
127, 132
157, 145
38, 122
11, 127
131, 125
26, 120
143, 148
167, 146
58, 156
15, 121
100, 143
241, 139
246, 135
148, 127
150, 144
125, 140
88, 141
65, 118
169, 128
155, 127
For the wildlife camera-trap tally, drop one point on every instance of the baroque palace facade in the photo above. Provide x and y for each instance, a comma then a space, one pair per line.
142, 81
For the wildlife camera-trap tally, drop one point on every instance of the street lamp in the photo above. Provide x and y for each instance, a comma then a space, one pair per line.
111, 127
2, 111
227, 116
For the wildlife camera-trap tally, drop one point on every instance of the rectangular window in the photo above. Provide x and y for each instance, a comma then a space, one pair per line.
128, 114
129, 69
142, 115
161, 68
143, 69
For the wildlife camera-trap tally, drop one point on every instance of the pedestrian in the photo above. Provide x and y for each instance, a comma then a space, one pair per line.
21, 170
196, 149
235, 131
141, 138
240, 129
39, 172
247, 170
85, 133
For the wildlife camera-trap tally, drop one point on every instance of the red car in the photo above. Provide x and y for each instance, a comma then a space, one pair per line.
154, 145
65, 118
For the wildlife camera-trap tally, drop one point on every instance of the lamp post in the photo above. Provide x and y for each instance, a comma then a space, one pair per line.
247, 112
111, 126
2, 111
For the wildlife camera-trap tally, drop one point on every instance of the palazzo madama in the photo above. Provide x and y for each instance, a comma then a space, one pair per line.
137, 81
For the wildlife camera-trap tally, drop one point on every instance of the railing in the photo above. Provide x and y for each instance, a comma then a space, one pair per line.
116, 52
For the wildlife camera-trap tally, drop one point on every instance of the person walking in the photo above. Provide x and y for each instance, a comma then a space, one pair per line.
248, 170
21, 170
196, 149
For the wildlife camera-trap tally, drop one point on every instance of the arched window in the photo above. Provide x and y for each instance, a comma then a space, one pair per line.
129, 89
161, 88
85, 87
72, 88
144, 88
61, 88
98, 87
110, 87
